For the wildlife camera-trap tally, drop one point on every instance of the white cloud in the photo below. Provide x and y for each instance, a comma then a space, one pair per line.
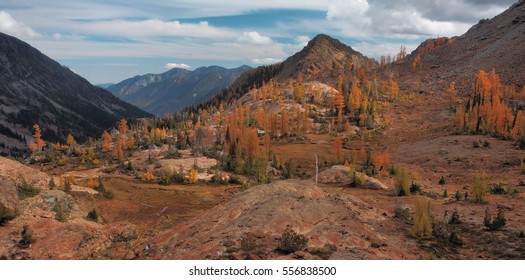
155, 28
346, 9
302, 40
177, 65
408, 18
267, 60
12, 27
253, 37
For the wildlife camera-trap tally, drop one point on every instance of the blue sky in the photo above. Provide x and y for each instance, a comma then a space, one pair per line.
109, 41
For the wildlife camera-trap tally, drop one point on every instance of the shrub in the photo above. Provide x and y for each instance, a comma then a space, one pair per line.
498, 222
455, 219
290, 169
67, 187
392, 170
422, 218
292, 241
6, 215
147, 177
177, 177
486, 144
521, 234
173, 155
27, 238
26, 190
216, 179
498, 189
458, 196
415, 188
442, 181
235, 180
51, 185
108, 194
480, 188
92, 215
103, 191
401, 213
445, 194
193, 176
402, 182
357, 180
166, 177
455, 239
59, 214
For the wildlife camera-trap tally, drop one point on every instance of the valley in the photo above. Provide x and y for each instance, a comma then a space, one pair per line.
328, 154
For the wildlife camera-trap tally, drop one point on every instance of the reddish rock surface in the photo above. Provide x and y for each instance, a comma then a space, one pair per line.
338, 221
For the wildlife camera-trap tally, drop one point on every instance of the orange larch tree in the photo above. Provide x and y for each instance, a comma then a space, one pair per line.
37, 136
417, 62
123, 126
118, 154
393, 89
451, 95
106, 141
70, 140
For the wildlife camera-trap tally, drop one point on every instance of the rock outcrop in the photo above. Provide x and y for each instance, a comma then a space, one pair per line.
340, 223
341, 174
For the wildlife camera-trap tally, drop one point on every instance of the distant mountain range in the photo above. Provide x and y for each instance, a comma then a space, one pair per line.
36, 89
175, 89
105, 85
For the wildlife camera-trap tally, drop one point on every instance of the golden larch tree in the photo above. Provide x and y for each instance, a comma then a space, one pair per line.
123, 126
422, 227
37, 136
106, 141
417, 62
119, 147
70, 140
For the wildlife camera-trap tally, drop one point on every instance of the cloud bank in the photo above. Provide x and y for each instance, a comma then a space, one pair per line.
177, 65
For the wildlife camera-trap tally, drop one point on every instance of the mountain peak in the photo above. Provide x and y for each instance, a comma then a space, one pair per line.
322, 53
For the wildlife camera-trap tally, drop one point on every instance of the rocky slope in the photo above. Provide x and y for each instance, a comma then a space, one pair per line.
337, 227
36, 89
173, 90
72, 238
326, 55
492, 43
